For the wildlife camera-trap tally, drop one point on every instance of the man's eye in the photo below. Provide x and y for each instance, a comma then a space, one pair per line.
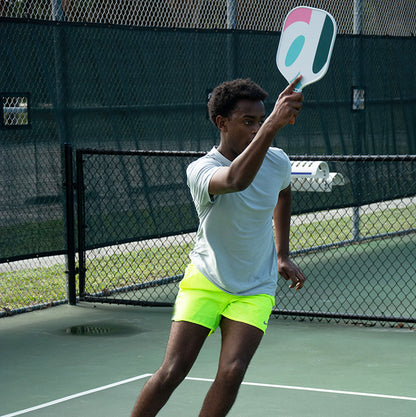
250, 122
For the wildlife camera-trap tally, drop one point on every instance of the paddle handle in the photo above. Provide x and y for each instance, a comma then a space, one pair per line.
297, 89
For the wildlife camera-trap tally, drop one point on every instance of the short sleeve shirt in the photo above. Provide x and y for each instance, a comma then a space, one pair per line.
235, 246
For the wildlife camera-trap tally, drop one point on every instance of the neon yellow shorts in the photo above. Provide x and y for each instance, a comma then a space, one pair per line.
201, 302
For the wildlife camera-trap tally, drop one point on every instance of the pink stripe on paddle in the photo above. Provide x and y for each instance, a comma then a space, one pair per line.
302, 14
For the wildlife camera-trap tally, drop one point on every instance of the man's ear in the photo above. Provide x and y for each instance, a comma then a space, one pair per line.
221, 122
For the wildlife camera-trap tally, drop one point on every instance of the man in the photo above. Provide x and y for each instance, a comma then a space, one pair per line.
237, 189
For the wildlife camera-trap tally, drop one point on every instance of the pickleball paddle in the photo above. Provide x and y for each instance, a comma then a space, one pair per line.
305, 45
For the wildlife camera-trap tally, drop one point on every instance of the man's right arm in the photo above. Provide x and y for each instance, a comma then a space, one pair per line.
239, 175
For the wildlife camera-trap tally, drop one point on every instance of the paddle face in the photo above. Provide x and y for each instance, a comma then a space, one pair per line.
305, 46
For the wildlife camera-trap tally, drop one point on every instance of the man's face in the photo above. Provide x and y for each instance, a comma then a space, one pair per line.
243, 124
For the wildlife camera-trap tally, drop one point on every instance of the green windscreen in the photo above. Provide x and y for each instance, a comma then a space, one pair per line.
118, 87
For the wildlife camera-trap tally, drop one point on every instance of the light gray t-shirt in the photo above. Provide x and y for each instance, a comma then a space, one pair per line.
235, 246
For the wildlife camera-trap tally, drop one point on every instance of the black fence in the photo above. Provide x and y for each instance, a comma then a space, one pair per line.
353, 233
122, 87
136, 82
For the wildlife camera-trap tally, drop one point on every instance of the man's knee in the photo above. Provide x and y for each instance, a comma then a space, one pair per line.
172, 375
233, 373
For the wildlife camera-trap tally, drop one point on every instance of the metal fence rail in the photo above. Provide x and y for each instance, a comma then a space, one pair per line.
361, 275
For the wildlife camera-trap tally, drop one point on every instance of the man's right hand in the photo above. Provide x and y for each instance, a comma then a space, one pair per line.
287, 106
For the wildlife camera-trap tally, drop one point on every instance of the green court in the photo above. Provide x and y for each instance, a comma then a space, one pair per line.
103, 105
94, 359
373, 276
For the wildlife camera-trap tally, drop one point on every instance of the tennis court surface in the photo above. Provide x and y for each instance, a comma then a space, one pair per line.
91, 359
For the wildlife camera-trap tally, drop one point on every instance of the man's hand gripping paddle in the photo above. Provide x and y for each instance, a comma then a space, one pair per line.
305, 45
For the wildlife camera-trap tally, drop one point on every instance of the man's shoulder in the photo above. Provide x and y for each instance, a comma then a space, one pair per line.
211, 158
277, 153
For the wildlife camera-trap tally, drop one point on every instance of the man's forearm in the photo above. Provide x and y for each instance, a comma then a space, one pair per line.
281, 220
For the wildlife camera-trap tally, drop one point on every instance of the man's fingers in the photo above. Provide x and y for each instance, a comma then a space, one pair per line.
297, 281
290, 87
300, 280
290, 272
294, 83
296, 284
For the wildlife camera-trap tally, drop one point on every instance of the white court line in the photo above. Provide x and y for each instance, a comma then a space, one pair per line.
330, 391
71, 397
257, 384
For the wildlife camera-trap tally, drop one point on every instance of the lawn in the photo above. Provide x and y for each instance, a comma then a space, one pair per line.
114, 269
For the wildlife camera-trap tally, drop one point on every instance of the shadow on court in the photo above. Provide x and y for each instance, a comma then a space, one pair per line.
93, 360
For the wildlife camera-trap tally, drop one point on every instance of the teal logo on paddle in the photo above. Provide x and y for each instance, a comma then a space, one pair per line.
294, 50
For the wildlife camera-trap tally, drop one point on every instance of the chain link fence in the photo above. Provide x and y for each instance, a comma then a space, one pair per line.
135, 74
360, 263
369, 17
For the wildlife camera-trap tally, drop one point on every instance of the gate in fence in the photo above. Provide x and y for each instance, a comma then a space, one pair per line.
353, 233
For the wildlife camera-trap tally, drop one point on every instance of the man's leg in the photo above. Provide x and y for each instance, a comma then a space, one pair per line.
239, 343
185, 342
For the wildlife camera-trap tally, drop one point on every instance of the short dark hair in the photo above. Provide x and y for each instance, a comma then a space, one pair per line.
224, 98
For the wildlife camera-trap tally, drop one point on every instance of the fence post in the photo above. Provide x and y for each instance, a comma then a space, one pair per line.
356, 224
60, 117
60, 99
358, 16
81, 222
231, 43
231, 14
358, 116
70, 226
57, 12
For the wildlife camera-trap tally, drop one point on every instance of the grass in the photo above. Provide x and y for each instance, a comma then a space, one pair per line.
130, 268
28, 287
340, 229
33, 286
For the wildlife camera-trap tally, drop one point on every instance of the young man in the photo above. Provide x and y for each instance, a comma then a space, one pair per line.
237, 188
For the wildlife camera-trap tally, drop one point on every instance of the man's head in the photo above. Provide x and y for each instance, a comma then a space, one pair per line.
225, 97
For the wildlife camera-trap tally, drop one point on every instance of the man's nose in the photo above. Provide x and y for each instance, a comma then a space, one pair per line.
256, 127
